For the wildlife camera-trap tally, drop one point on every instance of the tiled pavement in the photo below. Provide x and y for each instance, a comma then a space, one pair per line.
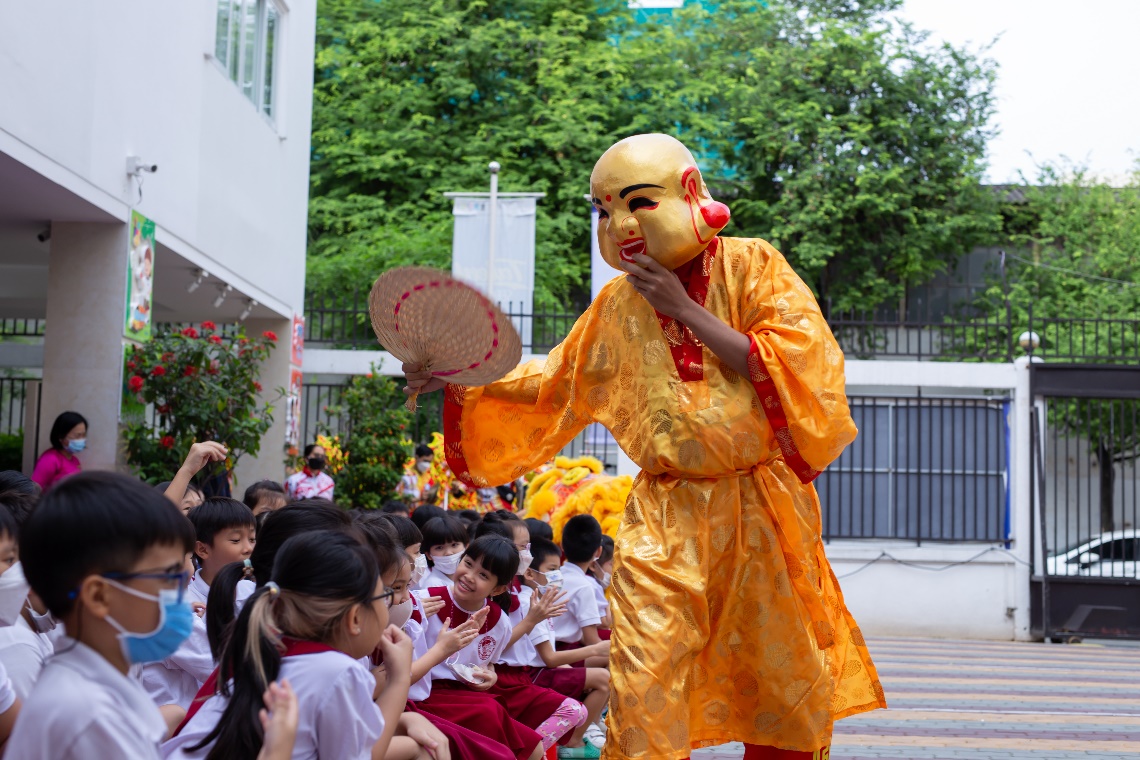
977, 700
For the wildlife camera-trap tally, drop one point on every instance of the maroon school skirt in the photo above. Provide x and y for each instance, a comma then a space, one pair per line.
568, 646
465, 744
526, 702
569, 682
478, 711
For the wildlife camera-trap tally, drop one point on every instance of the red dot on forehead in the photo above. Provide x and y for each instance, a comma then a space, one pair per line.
609, 198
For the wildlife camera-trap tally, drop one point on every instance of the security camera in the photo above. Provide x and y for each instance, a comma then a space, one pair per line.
44, 236
136, 165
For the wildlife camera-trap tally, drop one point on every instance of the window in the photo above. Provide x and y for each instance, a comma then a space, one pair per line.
245, 46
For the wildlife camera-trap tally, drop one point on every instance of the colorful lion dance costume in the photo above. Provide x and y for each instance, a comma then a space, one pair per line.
577, 487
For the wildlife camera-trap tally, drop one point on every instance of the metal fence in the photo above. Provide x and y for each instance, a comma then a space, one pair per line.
13, 395
922, 469
965, 335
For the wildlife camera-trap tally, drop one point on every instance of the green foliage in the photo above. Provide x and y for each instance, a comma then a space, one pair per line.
203, 385
12, 451
375, 444
841, 139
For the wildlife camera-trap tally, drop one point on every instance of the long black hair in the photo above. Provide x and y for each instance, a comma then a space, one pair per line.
320, 576
278, 528
499, 557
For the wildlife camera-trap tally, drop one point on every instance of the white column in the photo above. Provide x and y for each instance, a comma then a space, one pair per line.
1022, 513
83, 338
269, 464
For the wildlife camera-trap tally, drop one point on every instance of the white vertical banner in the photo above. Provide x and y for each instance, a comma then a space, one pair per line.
505, 274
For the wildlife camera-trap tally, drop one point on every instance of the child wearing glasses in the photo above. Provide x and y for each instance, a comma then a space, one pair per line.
106, 554
224, 532
324, 609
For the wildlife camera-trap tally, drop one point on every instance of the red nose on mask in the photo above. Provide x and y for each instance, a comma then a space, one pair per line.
716, 214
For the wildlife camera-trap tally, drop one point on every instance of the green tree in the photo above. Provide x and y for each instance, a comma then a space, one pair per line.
413, 100
840, 137
202, 385
1073, 276
832, 131
374, 441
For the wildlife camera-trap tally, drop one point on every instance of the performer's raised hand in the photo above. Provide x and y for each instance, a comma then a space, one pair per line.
546, 605
658, 285
420, 380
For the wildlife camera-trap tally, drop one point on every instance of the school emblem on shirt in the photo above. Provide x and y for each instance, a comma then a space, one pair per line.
486, 647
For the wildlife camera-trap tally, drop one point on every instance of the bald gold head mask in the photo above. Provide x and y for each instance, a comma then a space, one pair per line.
651, 199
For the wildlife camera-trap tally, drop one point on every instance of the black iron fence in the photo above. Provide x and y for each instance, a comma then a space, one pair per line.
13, 395
342, 322
922, 469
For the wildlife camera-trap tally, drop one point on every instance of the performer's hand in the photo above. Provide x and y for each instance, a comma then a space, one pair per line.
420, 380
658, 285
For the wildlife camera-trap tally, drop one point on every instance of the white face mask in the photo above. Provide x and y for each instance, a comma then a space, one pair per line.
13, 594
449, 564
553, 580
606, 579
423, 465
398, 614
419, 570
41, 623
525, 558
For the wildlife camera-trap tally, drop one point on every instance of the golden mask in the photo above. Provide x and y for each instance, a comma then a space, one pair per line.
651, 199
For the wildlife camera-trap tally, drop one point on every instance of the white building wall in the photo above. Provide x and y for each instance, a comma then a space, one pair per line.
85, 84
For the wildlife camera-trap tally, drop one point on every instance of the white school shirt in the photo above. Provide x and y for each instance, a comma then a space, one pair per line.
484, 650
7, 693
22, 656
177, 679
83, 708
337, 718
600, 598
415, 627
306, 485
432, 579
581, 606
525, 651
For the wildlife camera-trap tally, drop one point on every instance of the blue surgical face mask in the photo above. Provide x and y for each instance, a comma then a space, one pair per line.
175, 622
76, 445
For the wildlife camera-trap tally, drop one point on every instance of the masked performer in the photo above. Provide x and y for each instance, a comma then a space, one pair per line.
713, 368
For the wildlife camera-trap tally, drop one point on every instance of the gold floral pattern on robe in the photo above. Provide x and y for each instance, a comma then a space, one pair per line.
729, 623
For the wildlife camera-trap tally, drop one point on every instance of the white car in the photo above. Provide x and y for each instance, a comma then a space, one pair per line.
1109, 555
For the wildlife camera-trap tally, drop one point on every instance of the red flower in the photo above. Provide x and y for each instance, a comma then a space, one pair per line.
132, 365
190, 332
208, 325
213, 368
257, 386
135, 383
216, 339
243, 341
158, 371
270, 335
190, 371
167, 357
163, 408
167, 442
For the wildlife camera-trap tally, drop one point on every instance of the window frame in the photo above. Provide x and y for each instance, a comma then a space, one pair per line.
233, 66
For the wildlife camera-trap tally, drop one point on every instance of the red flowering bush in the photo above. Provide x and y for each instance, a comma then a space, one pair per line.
270, 336
201, 387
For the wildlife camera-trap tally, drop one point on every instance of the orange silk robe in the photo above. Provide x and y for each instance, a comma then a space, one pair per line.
729, 623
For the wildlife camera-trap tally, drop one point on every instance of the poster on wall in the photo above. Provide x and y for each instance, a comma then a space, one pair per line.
293, 411
140, 278
298, 341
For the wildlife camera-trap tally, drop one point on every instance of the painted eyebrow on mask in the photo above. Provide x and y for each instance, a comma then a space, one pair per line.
631, 188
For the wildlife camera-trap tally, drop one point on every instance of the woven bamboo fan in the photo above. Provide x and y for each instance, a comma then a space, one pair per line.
424, 316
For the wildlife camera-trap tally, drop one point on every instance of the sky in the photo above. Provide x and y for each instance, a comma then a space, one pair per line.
1068, 78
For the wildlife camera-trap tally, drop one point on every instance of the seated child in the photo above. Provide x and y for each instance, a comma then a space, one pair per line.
107, 555
396, 507
264, 496
539, 529
445, 538
459, 685
411, 539
582, 545
425, 512
324, 609
535, 652
224, 532
600, 572
22, 651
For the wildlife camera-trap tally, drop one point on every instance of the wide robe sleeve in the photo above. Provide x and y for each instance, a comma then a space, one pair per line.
796, 367
499, 432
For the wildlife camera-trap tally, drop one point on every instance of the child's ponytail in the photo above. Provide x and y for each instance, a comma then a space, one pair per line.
317, 578
221, 604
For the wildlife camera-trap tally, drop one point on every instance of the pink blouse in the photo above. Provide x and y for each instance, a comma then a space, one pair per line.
53, 466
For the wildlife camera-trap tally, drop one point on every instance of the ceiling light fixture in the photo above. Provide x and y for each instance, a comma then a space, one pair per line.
247, 310
222, 293
201, 275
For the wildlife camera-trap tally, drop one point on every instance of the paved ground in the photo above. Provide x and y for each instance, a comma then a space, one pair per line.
955, 700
